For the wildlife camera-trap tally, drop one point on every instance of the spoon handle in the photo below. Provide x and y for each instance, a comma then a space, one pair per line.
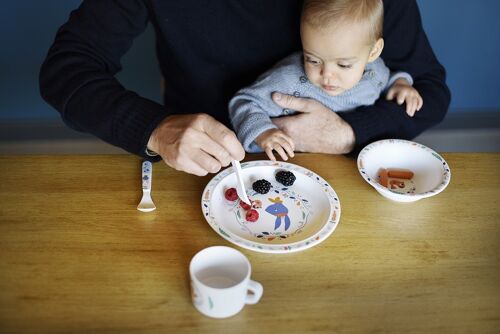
147, 175
240, 185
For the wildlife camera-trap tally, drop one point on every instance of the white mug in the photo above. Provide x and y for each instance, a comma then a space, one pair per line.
220, 282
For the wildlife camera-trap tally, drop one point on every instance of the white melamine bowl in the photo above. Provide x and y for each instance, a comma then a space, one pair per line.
431, 172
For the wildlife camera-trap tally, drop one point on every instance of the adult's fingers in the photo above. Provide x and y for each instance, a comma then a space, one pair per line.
295, 103
188, 166
223, 136
213, 148
208, 163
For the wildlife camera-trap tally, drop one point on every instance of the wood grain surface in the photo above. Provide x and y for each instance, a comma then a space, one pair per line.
76, 255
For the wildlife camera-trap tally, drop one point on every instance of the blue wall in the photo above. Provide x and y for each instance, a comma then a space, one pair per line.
463, 33
465, 36
28, 29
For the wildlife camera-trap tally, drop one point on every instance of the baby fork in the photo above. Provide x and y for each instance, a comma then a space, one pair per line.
146, 204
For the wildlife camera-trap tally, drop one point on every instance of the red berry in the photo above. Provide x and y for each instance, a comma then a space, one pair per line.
231, 194
245, 206
252, 215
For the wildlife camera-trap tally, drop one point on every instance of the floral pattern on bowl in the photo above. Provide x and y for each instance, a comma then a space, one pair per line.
432, 173
291, 218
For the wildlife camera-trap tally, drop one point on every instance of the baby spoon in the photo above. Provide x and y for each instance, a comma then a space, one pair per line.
146, 204
240, 186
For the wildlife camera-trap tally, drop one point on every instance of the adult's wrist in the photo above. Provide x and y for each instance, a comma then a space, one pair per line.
150, 153
153, 145
368, 123
349, 138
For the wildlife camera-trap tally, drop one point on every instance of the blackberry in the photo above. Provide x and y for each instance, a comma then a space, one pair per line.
262, 186
286, 178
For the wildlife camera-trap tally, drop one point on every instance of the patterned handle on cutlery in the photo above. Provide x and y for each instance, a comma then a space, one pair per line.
147, 175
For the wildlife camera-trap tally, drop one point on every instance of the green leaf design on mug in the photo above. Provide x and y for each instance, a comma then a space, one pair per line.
210, 302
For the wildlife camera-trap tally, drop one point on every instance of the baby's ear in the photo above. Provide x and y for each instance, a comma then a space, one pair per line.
376, 50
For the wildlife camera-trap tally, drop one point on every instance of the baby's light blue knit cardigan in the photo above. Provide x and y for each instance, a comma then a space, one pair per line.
251, 109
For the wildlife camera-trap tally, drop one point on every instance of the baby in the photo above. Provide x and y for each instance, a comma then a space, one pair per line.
339, 66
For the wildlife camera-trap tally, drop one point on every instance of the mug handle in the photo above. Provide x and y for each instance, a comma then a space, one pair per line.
257, 289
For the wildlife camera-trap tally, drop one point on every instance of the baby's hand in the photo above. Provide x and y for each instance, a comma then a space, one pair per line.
277, 140
404, 92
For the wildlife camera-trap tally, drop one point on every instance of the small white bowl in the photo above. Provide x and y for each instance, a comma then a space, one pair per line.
431, 172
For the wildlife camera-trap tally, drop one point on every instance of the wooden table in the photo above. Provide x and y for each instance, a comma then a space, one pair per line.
76, 255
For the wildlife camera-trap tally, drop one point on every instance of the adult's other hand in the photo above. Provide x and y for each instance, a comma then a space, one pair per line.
197, 144
315, 128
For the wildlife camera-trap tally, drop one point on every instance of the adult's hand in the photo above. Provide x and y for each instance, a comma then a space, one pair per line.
316, 128
196, 144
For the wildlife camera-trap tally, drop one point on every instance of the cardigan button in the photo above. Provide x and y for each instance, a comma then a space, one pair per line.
296, 94
303, 79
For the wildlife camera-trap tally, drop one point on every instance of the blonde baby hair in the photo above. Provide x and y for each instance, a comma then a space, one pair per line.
327, 13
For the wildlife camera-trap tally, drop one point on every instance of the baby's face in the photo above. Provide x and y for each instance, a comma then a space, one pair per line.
335, 57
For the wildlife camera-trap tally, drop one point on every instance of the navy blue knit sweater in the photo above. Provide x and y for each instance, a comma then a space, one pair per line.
207, 50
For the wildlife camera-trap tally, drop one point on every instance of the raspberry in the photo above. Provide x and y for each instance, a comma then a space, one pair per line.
245, 206
286, 178
252, 215
231, 194
262, 186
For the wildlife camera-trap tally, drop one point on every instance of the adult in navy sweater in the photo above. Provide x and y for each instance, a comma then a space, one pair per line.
207, 51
